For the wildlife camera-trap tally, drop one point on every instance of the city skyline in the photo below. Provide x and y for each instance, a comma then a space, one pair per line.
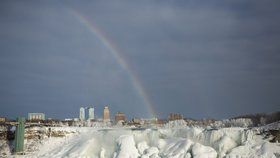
146, 58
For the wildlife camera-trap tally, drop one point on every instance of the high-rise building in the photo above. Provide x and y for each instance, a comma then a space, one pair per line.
119, 117
90, 113
82, 114
106, 114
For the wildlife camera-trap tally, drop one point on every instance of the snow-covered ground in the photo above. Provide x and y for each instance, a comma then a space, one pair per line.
171, 141
154, 143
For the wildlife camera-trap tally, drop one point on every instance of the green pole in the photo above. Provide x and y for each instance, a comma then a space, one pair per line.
19, 139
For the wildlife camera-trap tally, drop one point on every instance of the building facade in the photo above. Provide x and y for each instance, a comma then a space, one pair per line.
174, 116
82, 114
2, 119
36, 116
106, 114
90, 113
120, 117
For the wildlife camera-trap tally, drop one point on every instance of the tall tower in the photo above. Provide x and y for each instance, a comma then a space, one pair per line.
90, 113
82, 114
106, 114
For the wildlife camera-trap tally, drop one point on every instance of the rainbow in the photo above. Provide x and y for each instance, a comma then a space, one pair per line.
109, 44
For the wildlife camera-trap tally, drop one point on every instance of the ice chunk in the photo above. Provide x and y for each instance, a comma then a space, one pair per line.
176, 148
200, 151
152, 151
142, 146
264, 150
126, 147
224, 145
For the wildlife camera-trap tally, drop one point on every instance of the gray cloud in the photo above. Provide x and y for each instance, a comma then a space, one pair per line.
203, 59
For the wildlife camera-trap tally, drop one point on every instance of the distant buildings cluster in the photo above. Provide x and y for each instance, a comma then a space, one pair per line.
86, 113
87, 118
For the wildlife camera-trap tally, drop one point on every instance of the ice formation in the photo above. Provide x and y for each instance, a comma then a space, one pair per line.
126, 147
184, 142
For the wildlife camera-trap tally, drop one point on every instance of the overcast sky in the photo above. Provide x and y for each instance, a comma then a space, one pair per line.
203, 59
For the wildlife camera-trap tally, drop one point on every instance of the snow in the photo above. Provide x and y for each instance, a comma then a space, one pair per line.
177, 123
239, 122
142, 146
126, 147
225, 144
175, 148
200, 151
256, 149
4, 148
275, 125
151, 151
168, 142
